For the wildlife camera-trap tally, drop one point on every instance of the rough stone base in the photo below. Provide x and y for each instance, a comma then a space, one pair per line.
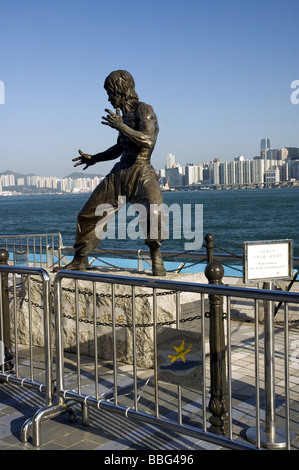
84, 330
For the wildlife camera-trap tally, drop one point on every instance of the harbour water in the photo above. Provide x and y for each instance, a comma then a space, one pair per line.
233, 216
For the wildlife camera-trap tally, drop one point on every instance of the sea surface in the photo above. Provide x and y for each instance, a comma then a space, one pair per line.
232, 216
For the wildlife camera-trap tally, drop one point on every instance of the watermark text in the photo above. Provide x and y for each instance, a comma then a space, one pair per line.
2, 92
156, 222
295, 94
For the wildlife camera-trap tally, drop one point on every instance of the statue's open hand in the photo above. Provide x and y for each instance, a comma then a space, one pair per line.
84, 159
113, 120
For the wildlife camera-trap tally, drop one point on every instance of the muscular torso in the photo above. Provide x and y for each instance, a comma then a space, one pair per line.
143, 120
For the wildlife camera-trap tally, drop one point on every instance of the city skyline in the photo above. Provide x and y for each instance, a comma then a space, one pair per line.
201, 65
270, 167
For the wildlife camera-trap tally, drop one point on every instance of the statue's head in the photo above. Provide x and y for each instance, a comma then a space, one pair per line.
121, 83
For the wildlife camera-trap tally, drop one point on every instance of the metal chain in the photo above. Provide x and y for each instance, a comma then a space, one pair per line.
146, 325
119, 296
143, 325
228, 252
232, 254
127, 296
130, 325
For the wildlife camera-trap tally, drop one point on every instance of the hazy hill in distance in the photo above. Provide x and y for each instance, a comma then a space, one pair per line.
76, 175
73, 175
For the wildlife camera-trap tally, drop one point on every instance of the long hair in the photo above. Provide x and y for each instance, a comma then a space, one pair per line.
122, 83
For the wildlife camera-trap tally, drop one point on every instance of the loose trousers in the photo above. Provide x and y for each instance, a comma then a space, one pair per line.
137, 183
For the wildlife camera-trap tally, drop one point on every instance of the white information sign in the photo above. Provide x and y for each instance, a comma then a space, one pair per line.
268, 260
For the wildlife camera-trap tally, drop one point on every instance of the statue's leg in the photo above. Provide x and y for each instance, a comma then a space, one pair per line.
92, 221
149, 194
158, 267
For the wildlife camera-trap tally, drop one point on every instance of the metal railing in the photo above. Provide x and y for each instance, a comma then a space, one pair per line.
94, 395
35, 250
16, 332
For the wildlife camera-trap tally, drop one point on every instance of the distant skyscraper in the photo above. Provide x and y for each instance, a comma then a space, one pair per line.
265, 144
170, 160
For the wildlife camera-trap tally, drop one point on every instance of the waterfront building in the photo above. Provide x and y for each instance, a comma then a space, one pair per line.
215, 174
31, 180
200, 171
231, 173
8, 180
284, 171
191, 174
272, 175
294, 170
223, 173
257, 171
247, 172
170, 160
174, 176
239, 170
293, 153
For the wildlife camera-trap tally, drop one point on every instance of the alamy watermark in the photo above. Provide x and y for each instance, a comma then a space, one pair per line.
295, 94
139, 222
2, 92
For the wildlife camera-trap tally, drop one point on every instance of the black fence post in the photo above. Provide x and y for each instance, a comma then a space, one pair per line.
218, 404
5, 334
209, 238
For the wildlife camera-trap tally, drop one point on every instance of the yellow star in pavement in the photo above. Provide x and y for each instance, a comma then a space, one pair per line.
180, 352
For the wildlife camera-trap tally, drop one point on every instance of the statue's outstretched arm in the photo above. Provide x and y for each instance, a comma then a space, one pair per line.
88, 160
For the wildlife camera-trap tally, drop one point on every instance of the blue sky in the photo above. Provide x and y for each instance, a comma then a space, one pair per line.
218, 74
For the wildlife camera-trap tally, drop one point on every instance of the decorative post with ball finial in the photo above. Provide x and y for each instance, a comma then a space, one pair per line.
5, 344
5, 324
218, 404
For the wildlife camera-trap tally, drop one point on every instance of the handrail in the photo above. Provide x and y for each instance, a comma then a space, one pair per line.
21, 270
222, 290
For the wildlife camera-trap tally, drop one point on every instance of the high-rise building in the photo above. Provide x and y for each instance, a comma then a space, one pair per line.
170, 160
214, 171
293, 152
191, 174
223, 173
174, 176
272, 175
265, 144
247, 172
257, 170
283, 154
